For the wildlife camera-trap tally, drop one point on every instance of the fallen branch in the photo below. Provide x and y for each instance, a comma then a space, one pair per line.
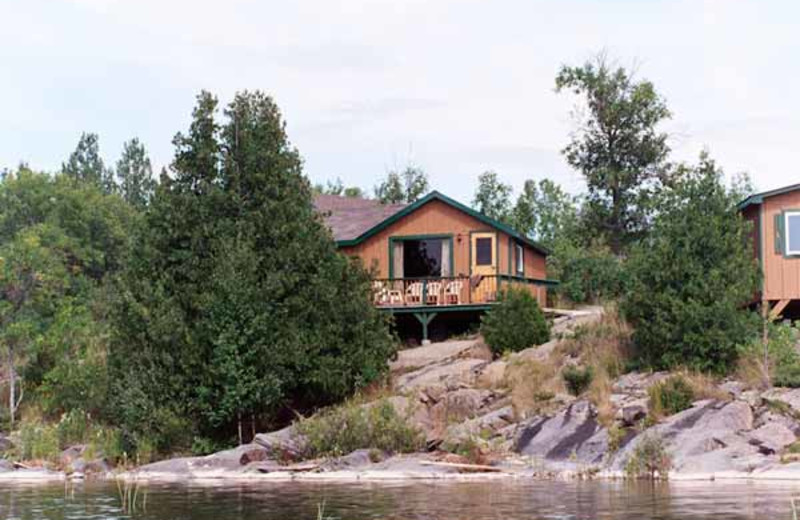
465, 467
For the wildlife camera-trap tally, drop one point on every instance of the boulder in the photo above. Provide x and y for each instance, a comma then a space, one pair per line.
460, 373
416, 358
6, 465
790, 397
5, 443
632, 414
772, 438
487, 426
71, 454
573, 434
189, 465
285, 444
357, 460
710, 437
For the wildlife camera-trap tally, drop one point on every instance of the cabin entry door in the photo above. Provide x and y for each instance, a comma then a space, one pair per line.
483, 282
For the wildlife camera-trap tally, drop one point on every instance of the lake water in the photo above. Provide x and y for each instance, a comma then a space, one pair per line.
408, 501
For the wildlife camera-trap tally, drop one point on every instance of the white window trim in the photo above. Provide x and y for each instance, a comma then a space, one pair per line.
788, 251
520, 259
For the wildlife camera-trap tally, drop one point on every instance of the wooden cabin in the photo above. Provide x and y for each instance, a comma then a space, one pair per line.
435, 255
775, 216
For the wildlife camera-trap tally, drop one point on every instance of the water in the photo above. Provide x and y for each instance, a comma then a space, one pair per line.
407, 501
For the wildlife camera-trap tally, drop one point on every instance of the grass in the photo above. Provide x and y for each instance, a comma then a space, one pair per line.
601, 348
352, 426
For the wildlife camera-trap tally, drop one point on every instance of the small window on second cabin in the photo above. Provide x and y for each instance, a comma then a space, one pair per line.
483, 251
792, 232
520, 259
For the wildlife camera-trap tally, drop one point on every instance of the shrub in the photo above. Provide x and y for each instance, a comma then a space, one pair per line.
588, 274
649, 459
783, 359
577, 379
37, 441
515, 323
691, 277
349, 427
670, 396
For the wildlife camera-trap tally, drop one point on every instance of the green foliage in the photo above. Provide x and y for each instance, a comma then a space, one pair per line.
338, 188
135, 174
690, 277
515, 323
546, 213
37, 441
670, 396
344, 429
649, 460
618, 148
86, 166
407, 186
577, 379
587, 274
782, 357
236, 302
493, 198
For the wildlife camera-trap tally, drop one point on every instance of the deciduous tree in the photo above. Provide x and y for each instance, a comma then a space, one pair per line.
618, 147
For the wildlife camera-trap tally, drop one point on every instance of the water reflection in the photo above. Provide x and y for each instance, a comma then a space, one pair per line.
407, 501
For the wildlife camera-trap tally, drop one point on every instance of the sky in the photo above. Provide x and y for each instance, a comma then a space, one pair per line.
366, 86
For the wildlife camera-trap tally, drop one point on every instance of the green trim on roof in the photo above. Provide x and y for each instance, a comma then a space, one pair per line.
435, 195
758, 198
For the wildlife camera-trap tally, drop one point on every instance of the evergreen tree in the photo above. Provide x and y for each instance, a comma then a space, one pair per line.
135, 174
691, 276
86, 165
237, 302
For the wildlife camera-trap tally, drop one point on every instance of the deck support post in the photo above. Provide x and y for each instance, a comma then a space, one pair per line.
424, 319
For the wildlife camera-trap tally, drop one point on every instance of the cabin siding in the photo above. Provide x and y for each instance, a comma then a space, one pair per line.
781, 274
439, 218
752, 215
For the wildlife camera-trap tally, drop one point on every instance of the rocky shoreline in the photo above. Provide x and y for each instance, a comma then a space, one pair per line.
461, 399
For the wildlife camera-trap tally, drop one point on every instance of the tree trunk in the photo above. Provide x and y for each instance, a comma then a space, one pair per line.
12, 386
239, 417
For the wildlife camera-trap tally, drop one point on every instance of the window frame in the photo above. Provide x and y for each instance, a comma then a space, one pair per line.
490, 250
519, 252
787, 251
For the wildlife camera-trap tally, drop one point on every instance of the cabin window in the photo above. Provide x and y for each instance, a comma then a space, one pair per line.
792, 226
422, 258
483, 251
520, 260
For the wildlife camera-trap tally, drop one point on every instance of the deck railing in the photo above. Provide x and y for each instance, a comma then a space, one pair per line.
445, 290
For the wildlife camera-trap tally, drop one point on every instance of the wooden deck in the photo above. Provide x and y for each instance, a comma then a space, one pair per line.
448, 293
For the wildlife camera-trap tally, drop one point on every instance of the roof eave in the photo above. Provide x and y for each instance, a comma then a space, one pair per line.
435, 195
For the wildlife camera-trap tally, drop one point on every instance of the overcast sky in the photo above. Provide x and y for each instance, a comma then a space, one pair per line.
455, 87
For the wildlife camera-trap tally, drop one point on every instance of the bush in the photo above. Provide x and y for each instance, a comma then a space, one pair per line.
37, 441
782, 356
588, 274
649, 460
344, 429
691, 276
670, 396
577, 379
515, 323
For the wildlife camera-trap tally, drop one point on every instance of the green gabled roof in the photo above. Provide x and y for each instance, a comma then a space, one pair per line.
758, 198
435, 195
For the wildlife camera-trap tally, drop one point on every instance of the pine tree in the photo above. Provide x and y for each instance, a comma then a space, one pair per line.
135, 174
237, 296
85, 163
